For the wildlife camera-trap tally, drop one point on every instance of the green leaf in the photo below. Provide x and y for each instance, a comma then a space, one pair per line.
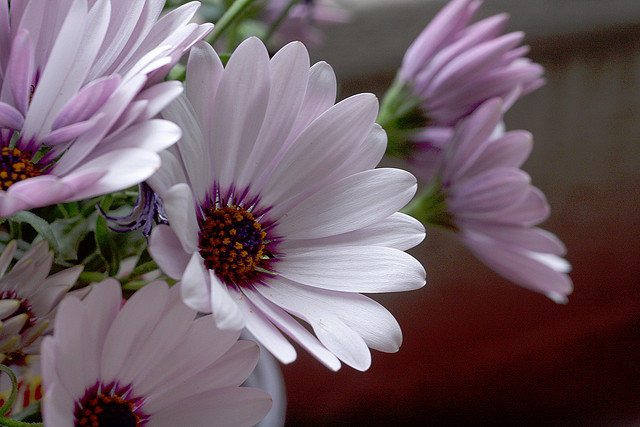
69, 233
42, 227
105, 242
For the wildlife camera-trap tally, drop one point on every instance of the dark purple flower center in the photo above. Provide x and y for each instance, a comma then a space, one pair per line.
232, 243
15, 166
23, 308
100, 410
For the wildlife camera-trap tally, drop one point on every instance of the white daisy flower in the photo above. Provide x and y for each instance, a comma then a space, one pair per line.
276, 211
145, 363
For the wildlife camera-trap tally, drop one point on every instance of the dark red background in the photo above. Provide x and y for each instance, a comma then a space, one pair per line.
480, 350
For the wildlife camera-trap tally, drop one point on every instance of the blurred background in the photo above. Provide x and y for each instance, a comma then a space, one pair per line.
478, 349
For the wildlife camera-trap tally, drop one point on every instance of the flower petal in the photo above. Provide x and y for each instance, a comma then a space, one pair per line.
352, 269
352, 203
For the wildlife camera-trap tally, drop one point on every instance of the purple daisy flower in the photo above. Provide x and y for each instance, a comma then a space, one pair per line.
28, 300
145, 363
451, 68
481, 195
276, 210
80, 81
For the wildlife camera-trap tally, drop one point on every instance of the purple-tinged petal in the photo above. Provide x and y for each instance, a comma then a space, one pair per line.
123, 169
86, 102
289, 71
239, 109
323, 145
353, 202
521, 267
70, 132
10, 117
20, 69
162, 244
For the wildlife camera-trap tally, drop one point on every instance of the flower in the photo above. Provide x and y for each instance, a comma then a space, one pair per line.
303, 19
275, 209
145, 363
80, 82
453, 67
482, 196
28, 300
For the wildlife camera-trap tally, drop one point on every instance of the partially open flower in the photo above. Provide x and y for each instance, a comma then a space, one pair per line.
28, 300
482, 197
448, 71
80, 81
147, 362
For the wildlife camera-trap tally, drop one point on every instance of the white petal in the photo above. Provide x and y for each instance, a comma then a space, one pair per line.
352, 203
192, 147
233, 406
324, 145
129, 329
180, 208
239, 109
397, 231
369, 319
353, 269
224, 307
319, 97
166, 250
290, 326
260, 326
289, 71
204, 71
194, 288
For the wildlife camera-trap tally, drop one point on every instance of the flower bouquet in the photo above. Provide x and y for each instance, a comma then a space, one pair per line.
168, 184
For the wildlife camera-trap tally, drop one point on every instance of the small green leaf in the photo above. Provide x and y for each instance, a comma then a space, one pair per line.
105, 242
69, 233
42, 227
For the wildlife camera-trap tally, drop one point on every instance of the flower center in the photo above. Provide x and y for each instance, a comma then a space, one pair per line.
15, 166
106, 411
232, 243
23, 308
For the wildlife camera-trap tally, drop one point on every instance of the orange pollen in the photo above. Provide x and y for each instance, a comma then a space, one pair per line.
15, 166
232, 243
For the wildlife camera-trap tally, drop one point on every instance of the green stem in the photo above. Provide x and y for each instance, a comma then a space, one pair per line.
92, 276
13, 423
14, 390
400, 116
396, 102
140, 270
233, 13
283, 15
9, 403
430, 208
